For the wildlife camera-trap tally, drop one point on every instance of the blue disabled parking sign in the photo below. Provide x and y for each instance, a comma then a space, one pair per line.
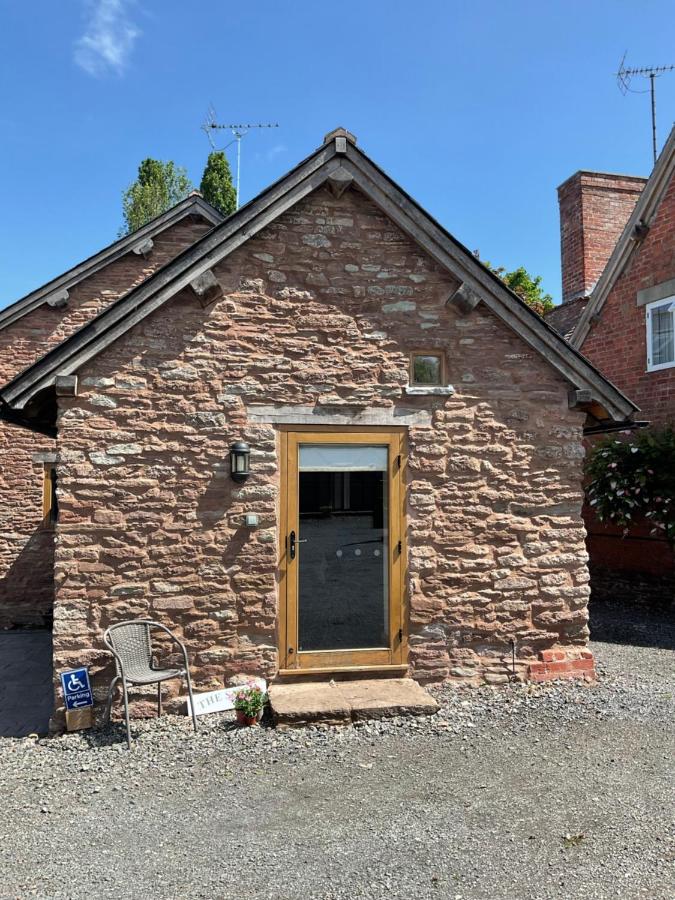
76, 689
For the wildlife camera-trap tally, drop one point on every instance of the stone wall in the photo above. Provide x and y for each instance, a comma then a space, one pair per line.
26, 545
320, 310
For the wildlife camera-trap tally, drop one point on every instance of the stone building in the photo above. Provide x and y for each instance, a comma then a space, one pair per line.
618, 261
28, 329
415, 437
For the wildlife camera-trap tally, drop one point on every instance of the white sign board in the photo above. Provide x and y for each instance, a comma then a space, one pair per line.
219, 701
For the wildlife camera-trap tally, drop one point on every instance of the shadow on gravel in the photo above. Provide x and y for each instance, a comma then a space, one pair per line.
107, 736
622, 622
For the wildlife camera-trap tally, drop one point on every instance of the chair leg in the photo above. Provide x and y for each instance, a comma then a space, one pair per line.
126, 712
111, 692
192, 702
159, 699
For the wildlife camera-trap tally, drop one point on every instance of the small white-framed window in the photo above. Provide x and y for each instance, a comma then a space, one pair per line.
660, 334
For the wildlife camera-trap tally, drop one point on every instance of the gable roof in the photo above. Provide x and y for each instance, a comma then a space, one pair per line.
337, 162
193, 204
644, 212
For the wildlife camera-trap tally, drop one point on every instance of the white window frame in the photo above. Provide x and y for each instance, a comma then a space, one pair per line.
665, 301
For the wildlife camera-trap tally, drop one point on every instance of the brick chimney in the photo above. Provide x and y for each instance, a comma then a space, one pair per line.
594, 208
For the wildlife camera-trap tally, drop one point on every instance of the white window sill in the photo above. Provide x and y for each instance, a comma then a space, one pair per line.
429, 390
660, 366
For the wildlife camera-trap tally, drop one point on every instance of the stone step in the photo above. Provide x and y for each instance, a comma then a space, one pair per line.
342, 702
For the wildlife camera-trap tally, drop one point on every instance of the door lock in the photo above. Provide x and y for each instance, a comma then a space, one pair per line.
292, 542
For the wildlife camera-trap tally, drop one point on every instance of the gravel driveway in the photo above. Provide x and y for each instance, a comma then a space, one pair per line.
558, 791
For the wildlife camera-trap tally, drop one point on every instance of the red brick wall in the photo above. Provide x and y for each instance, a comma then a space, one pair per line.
640, 565
26, 547
320, 310
594, 208
617, 342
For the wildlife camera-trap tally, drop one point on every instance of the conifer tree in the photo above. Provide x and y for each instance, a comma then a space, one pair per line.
158, 187
216, 185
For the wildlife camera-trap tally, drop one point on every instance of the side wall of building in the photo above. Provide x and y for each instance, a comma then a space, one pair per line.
639, 565
26, 543
617, 341
319, 311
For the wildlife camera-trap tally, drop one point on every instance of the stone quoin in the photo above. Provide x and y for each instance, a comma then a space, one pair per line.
324, 289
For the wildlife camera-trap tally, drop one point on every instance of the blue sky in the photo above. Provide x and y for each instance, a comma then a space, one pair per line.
479, 110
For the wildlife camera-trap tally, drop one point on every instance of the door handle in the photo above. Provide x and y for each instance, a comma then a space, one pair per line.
292, 542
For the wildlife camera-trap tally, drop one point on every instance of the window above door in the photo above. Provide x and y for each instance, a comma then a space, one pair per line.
426, 369
427, 374
660, 320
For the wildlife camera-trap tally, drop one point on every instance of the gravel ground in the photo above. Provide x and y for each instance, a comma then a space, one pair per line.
559, 791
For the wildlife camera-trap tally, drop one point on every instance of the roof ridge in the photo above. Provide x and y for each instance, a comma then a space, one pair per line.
91, 264
338, 161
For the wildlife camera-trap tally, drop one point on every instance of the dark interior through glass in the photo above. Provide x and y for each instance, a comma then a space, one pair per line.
343, 560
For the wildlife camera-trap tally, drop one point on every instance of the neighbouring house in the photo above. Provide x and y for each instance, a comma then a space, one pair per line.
28, 329
325, 438
594, 208
618, 262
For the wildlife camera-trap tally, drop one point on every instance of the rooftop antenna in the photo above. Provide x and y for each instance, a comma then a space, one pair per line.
239, 131
624, 77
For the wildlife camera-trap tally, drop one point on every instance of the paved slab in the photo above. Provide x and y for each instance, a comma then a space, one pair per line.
26, 691
375, 699
340, 702
297, 704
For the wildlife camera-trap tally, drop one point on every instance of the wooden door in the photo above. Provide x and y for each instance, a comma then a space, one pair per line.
342, 550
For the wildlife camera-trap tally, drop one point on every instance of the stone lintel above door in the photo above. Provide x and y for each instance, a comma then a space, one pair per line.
343, 415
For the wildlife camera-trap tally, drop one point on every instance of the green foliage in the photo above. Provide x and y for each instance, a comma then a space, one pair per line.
158, 187
528, 288
634, 479
216, 186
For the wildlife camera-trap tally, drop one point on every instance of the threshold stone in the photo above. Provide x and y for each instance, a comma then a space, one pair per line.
342, 702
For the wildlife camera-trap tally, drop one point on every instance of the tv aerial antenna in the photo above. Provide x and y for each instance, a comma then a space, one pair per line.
624, 78
238, 131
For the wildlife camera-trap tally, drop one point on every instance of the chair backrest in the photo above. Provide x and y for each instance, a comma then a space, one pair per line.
131, 642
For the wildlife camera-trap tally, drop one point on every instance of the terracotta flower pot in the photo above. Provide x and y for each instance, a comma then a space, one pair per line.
243, 719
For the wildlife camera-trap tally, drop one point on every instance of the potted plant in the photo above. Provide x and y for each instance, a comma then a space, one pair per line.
249, 703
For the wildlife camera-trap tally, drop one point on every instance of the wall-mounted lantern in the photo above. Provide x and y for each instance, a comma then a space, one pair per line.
240, 456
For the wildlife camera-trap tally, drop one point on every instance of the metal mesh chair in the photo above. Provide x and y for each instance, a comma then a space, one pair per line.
131, 645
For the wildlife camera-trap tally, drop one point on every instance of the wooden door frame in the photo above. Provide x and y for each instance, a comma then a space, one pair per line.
324, 661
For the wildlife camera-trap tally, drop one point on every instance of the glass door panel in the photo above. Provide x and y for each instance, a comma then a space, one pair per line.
343, 563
